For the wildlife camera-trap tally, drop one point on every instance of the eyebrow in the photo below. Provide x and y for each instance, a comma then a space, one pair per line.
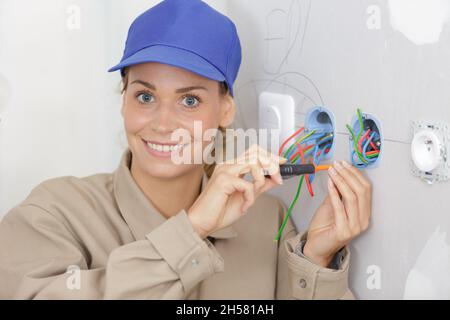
180, 90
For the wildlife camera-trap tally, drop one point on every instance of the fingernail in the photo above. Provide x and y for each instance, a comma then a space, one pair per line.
338, 165
332, 171
346, 164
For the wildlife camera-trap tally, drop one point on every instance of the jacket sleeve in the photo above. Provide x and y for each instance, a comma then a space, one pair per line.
299, 278
41, 259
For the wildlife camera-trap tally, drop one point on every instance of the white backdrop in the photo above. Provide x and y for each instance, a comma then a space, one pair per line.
60, 109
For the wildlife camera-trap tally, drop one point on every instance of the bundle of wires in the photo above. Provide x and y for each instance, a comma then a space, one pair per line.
366, 143
308, 147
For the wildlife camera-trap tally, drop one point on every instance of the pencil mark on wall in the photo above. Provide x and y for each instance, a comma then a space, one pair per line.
305, 27
285, 30
284, 40
306, 78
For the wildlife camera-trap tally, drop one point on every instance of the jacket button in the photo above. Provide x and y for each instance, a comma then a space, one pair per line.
194, 262
302, 283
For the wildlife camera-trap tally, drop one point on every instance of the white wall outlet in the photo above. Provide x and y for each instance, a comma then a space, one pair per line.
430, 151
277, 111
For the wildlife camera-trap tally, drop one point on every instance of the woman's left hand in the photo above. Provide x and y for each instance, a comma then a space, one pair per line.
344, 214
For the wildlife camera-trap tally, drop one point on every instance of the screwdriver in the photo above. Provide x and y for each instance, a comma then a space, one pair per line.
289, 170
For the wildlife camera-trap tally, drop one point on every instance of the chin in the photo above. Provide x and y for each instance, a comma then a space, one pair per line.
166, 170
160, 167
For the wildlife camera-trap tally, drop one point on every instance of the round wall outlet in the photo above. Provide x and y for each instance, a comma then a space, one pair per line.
426, 150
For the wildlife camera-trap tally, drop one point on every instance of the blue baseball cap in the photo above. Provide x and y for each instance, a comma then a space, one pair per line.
188, 34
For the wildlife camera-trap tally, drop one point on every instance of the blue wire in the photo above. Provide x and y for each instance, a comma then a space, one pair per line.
318, 159
322, 154
356, 161
370, 160
312, 137
318, 141
316, 148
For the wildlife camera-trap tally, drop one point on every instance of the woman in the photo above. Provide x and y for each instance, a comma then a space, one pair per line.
155, 229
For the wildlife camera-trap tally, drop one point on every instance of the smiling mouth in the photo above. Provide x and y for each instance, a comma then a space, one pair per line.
161, 147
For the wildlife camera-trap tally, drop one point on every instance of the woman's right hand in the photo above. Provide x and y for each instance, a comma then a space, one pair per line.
228, 196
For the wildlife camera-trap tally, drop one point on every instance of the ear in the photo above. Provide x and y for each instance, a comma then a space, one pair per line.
227, 112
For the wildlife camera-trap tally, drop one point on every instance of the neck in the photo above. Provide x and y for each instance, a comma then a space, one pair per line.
169, 195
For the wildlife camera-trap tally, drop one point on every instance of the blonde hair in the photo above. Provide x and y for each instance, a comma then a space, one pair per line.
223, 91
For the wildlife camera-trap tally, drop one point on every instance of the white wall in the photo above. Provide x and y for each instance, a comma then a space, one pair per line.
327, 52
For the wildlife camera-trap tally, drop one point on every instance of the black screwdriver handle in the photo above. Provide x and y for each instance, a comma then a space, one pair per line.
289, 170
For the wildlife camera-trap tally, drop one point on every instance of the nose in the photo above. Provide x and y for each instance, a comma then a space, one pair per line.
164, 120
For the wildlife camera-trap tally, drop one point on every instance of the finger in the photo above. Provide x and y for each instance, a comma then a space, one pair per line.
358, 174
246, 188
268, 164
258, 150
269, 184
259, 179
338, 207
336, 203
362, 188
349, 199
241, 166
348, 176
249, 162
271, 167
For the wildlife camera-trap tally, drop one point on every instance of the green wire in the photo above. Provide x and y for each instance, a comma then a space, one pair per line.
298, 141
299, 188
358, 112
361, 129
288, 213
318, 142
355, 146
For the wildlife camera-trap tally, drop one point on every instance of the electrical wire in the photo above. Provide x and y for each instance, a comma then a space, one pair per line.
299, 141
308, 183
287, 140
366, 143
295, 153
288, 212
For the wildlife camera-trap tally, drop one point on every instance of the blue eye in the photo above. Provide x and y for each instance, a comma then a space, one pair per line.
145, 97
191, 101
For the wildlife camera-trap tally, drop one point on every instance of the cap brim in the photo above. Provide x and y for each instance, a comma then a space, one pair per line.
175, 57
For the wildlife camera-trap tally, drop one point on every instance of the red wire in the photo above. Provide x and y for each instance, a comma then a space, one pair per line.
362, 139
298, 153
374, 146
286, 141
320, 151
308, 183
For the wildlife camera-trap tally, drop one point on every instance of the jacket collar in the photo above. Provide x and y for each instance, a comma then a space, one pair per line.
138, 211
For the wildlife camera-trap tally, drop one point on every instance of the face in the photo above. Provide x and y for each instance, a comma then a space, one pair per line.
161, 99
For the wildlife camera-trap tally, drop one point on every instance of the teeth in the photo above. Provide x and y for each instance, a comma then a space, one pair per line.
164, 148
